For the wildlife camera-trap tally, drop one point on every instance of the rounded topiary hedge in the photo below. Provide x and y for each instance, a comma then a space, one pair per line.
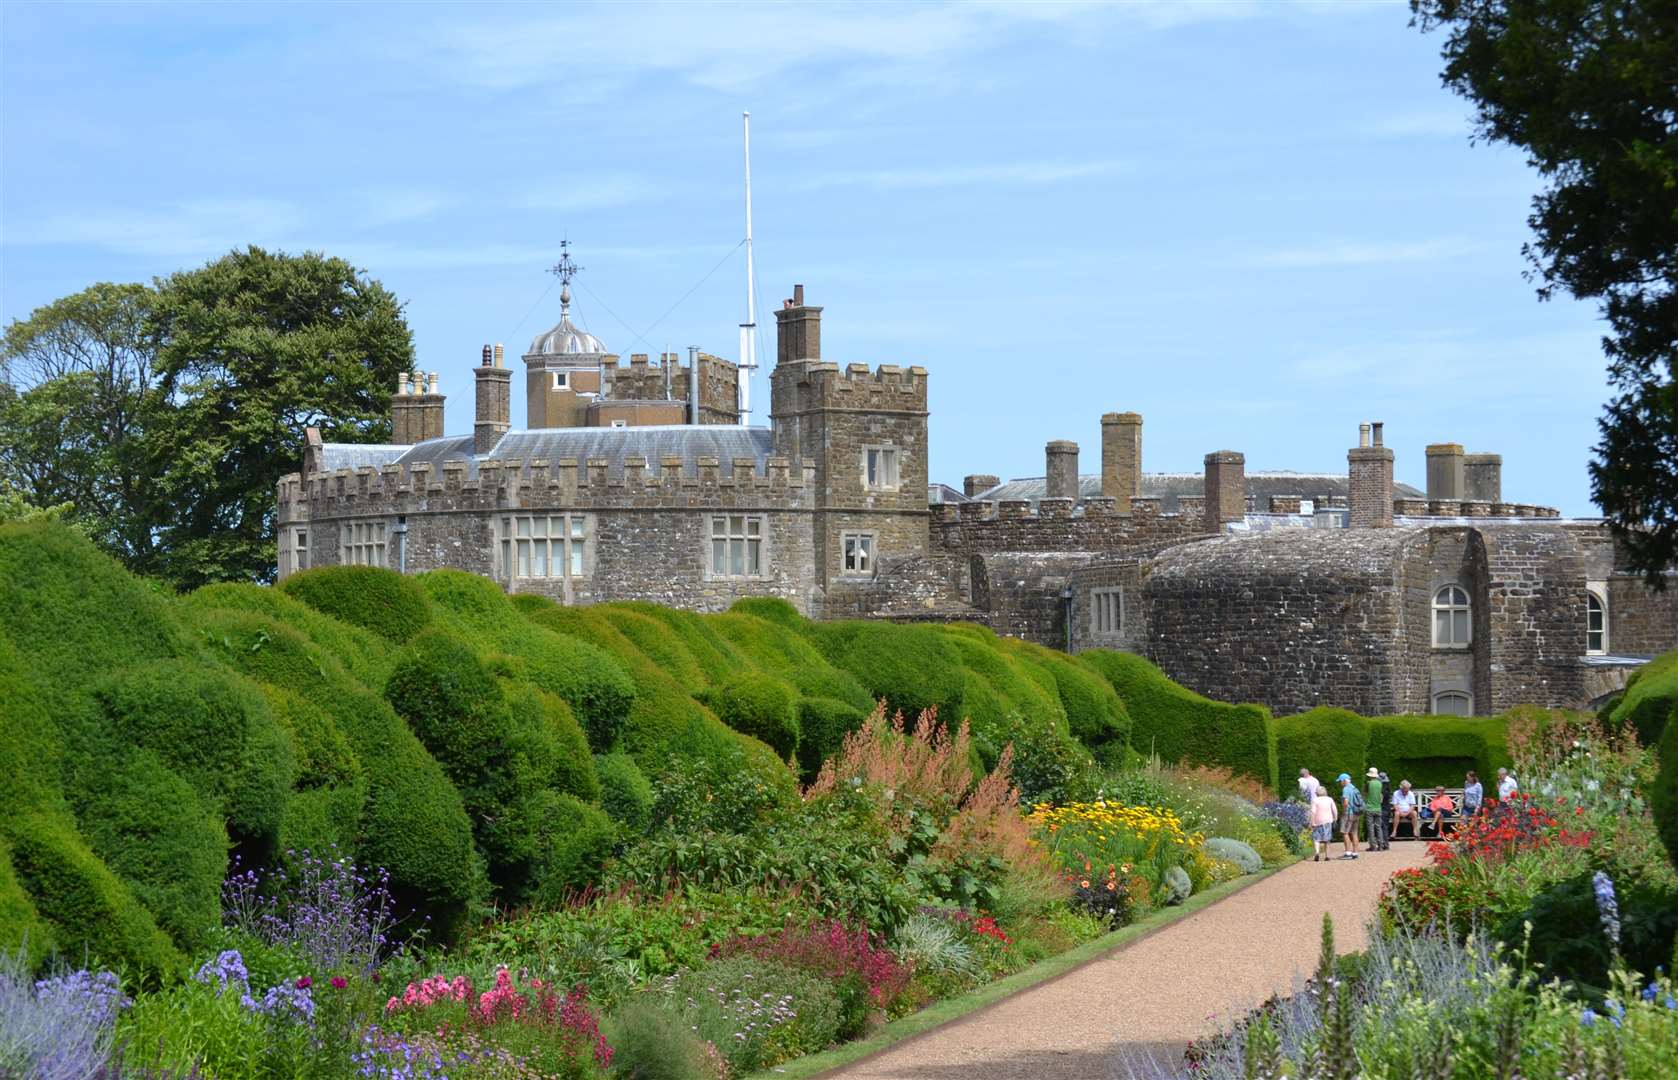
577, 840
390, 604
1663, 793
363, 654
911, 667
452, 701
1181, 726
1651, 696
761, 706
1325, 740
206, 723
1095, 714
94, 916
625, 792
823, 724
551, 743
21, 926
1434, 751
772, 609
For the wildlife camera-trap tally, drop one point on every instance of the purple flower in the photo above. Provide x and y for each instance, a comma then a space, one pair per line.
225, 970
1607, 906
285, 1002
58, 1028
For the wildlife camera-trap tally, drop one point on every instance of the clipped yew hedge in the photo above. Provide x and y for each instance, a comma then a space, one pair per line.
1181, 726
1650, 698
1663, 794
1425, 750
390, 604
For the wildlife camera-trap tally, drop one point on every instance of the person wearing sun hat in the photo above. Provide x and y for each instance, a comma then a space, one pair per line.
1375, 832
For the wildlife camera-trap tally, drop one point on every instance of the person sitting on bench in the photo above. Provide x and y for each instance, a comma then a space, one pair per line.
1440, 807
1404, 806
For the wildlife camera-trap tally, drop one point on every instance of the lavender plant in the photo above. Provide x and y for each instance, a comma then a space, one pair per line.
58, 1028
336, 915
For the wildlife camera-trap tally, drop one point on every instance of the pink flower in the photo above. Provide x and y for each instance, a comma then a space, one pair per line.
339, 982
304, 982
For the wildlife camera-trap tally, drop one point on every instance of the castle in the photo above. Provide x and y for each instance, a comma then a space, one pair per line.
1288, 589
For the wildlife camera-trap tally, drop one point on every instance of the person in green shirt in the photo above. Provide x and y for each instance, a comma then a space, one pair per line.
1376, 831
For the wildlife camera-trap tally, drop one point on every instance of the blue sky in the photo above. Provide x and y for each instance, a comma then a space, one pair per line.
1255, 223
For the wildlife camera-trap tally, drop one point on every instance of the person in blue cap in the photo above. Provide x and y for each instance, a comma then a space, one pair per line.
1351, 811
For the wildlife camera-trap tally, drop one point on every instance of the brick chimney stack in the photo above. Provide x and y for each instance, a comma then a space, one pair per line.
1444, 472
1061, 468
494, 405
1121, 458
973, 484
1482, 478
1369, 482
403, 412
1226, 488
798, 330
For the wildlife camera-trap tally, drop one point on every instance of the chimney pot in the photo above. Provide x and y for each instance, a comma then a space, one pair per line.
1375, 431
489, 357
500, 353
798, 296
1363, 436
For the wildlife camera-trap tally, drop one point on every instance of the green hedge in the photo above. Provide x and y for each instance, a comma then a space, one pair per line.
761, 706
591, 682
21, 926
788, 656
911, 667
1437, 750
1663, 794
390, 604
1181, 726
551, 743
207, 724
1650, 698
364, 654
577, 839
1095, 714
625, 792
823, 724
772, 609
153, 831
1325, 740
95, 918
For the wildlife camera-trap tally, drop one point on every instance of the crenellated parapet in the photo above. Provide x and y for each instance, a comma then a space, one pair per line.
594, 483
886, 389
1095, 525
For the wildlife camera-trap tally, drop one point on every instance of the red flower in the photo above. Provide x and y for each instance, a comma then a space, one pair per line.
339, 982
304, 982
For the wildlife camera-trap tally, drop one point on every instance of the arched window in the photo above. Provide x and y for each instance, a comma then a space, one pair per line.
1596, 624
1453, 703
1450, 617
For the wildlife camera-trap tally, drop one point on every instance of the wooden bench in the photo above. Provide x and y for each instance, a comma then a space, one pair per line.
1430, 830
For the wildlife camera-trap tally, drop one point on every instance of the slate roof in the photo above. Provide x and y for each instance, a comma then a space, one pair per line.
1168, 487
687, 441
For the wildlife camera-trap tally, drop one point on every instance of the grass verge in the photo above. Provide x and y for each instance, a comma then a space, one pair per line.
950, 1009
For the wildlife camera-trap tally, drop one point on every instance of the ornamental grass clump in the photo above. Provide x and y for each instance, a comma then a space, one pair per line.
58, 1028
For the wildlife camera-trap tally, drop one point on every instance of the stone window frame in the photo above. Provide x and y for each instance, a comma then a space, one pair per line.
1442, 696
561, 380
870, 545
891, 463
363, 543
1446, 604
709, 538
299, 548
573, 559
1596, 594
1107, 611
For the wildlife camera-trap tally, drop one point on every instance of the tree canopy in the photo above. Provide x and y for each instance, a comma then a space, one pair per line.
165, 415
1589, 89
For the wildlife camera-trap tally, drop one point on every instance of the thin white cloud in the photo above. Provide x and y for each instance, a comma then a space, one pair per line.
396, 206
590, 192
1325, 256
1024, 174
198, 228
1453, 364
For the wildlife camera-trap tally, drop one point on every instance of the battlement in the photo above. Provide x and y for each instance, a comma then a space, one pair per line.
887, 388
634, 482
1096, 524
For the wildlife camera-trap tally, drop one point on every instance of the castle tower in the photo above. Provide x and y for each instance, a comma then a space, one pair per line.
864, 434
494, 405
1369, 481
565, 367
1121, 458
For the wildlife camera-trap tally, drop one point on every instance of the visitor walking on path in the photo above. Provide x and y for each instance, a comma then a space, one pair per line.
1351, 809
1472, 795
1323, 813
1376, 832
1308, 786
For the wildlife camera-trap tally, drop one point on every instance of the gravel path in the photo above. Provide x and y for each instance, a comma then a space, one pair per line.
1156, 994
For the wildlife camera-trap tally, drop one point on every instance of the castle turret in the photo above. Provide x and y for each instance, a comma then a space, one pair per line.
494, 405
1369, 481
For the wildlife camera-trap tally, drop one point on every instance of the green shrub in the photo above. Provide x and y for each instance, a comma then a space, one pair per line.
1231, 850
30, 747
1176, 884
658, 641
1273, 839
823, 724
450, 699
760, 706
95, 918
1434, 750
1325, 740
911, 667
364, 654
207, 724
715, 654
1181, 726
1095, 715
1651, 696
21, 926
73, 613
576, 840
150, 828
390, 604
413, 821
584, 675
625, 792
1566, 933
772, 609
1663, 793
789, 656
650, 1042
549, 744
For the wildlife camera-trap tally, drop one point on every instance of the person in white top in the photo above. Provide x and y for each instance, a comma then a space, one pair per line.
1323, 813
1307, 786
1404, 807
1506, 785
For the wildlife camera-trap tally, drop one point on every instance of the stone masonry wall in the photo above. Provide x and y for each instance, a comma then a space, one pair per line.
1534, 616
1641, 622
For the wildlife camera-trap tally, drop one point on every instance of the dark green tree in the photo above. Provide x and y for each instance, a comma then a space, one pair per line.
250, 351
1589, 89
73, 380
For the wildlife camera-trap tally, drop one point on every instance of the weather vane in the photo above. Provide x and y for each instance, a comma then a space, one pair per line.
565, 269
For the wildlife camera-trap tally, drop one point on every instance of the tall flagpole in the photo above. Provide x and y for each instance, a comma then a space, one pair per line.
748, 329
